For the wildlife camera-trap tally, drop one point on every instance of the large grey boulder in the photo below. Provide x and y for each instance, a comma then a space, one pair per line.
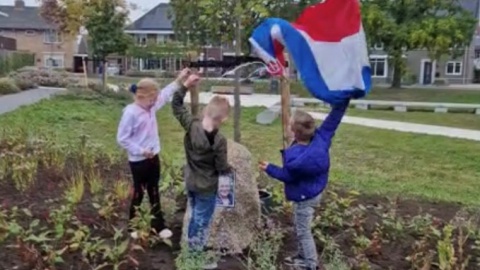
233, 229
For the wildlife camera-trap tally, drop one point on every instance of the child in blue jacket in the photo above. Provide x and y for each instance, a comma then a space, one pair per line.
306, 164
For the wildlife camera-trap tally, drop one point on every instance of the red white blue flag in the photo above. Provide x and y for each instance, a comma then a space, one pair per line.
328, 47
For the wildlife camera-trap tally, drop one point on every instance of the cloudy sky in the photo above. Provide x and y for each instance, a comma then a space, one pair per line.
144, 5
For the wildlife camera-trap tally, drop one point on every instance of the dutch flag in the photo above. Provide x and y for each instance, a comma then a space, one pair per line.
328, 47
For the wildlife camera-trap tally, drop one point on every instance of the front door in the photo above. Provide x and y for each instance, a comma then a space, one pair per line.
427, 72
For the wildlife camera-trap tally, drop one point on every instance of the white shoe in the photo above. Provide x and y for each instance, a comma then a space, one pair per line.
165, 234
210, 266
134, 235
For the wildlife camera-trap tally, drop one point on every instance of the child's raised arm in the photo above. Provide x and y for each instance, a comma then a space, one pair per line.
180, 112
329, 126
166, 93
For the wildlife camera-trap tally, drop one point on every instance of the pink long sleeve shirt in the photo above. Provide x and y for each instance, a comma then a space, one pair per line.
138, 130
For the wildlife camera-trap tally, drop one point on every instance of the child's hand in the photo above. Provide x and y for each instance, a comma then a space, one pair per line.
148, 154
192, 80
184, 74
263, 165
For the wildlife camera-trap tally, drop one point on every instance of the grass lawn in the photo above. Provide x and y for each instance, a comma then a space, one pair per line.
370, 160
405, 94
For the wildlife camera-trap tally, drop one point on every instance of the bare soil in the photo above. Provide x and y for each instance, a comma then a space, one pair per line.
50, 186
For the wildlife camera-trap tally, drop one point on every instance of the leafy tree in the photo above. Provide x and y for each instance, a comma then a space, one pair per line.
217, 22
104, 20
203, 22
168, 50
443, 27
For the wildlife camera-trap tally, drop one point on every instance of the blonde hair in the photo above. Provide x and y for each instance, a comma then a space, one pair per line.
217, 108
303, 126
145, 89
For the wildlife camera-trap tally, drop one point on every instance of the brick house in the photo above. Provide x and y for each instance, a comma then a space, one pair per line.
460, 70
33, 34
156, 26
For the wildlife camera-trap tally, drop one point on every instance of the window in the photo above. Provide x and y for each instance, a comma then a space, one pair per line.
378, 46
52, 36
453, 68
160, 39
54, 60
30, 32
379, 66
141, 39
477, 53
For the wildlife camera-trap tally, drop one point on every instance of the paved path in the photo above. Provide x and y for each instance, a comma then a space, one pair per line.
9, 103
271, 100
407, 127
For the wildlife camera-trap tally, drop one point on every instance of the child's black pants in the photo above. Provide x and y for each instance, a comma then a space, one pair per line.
146, 175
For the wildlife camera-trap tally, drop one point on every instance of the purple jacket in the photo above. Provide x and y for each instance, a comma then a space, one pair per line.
306, 167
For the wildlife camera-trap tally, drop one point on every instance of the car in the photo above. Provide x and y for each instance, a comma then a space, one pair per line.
245, 70
112, 70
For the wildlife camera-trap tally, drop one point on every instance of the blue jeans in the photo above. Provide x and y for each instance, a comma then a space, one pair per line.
203, 208
303, 215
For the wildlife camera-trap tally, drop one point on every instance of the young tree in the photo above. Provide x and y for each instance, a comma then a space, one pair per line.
104, 20
203, 22
442, 27
105, 23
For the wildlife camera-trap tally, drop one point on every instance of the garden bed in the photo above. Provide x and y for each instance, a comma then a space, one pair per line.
65, 206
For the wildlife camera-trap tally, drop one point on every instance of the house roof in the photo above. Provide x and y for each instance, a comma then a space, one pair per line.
157, 19
22, 18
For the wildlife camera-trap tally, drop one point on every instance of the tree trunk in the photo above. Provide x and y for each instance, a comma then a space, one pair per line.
398, 68
104, 75
397, 76
194, 100
237, 108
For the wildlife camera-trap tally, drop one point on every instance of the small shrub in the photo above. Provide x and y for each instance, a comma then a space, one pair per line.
31, 76
23, 80
8, 86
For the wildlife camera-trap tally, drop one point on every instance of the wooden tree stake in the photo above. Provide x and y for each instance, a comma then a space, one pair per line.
285, 94
194, 100
85, 73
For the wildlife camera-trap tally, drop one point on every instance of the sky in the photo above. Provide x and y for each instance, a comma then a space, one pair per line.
144, 6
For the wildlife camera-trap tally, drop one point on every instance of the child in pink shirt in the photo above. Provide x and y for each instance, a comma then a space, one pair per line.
138, 135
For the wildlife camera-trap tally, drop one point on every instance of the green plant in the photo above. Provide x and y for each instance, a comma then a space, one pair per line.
15, 60
336, 262
141, 224
75, 189
336, 211
330, 246
118, 254
8, 86
106, 207
446, 249
190, 260
121, 189
60, 219
421, 256
263, 253
94, 182
392, 225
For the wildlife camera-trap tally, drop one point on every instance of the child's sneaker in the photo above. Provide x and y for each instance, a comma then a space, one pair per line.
296, 261
165, 234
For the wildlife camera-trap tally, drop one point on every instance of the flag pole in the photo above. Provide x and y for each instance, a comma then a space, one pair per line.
285, 103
